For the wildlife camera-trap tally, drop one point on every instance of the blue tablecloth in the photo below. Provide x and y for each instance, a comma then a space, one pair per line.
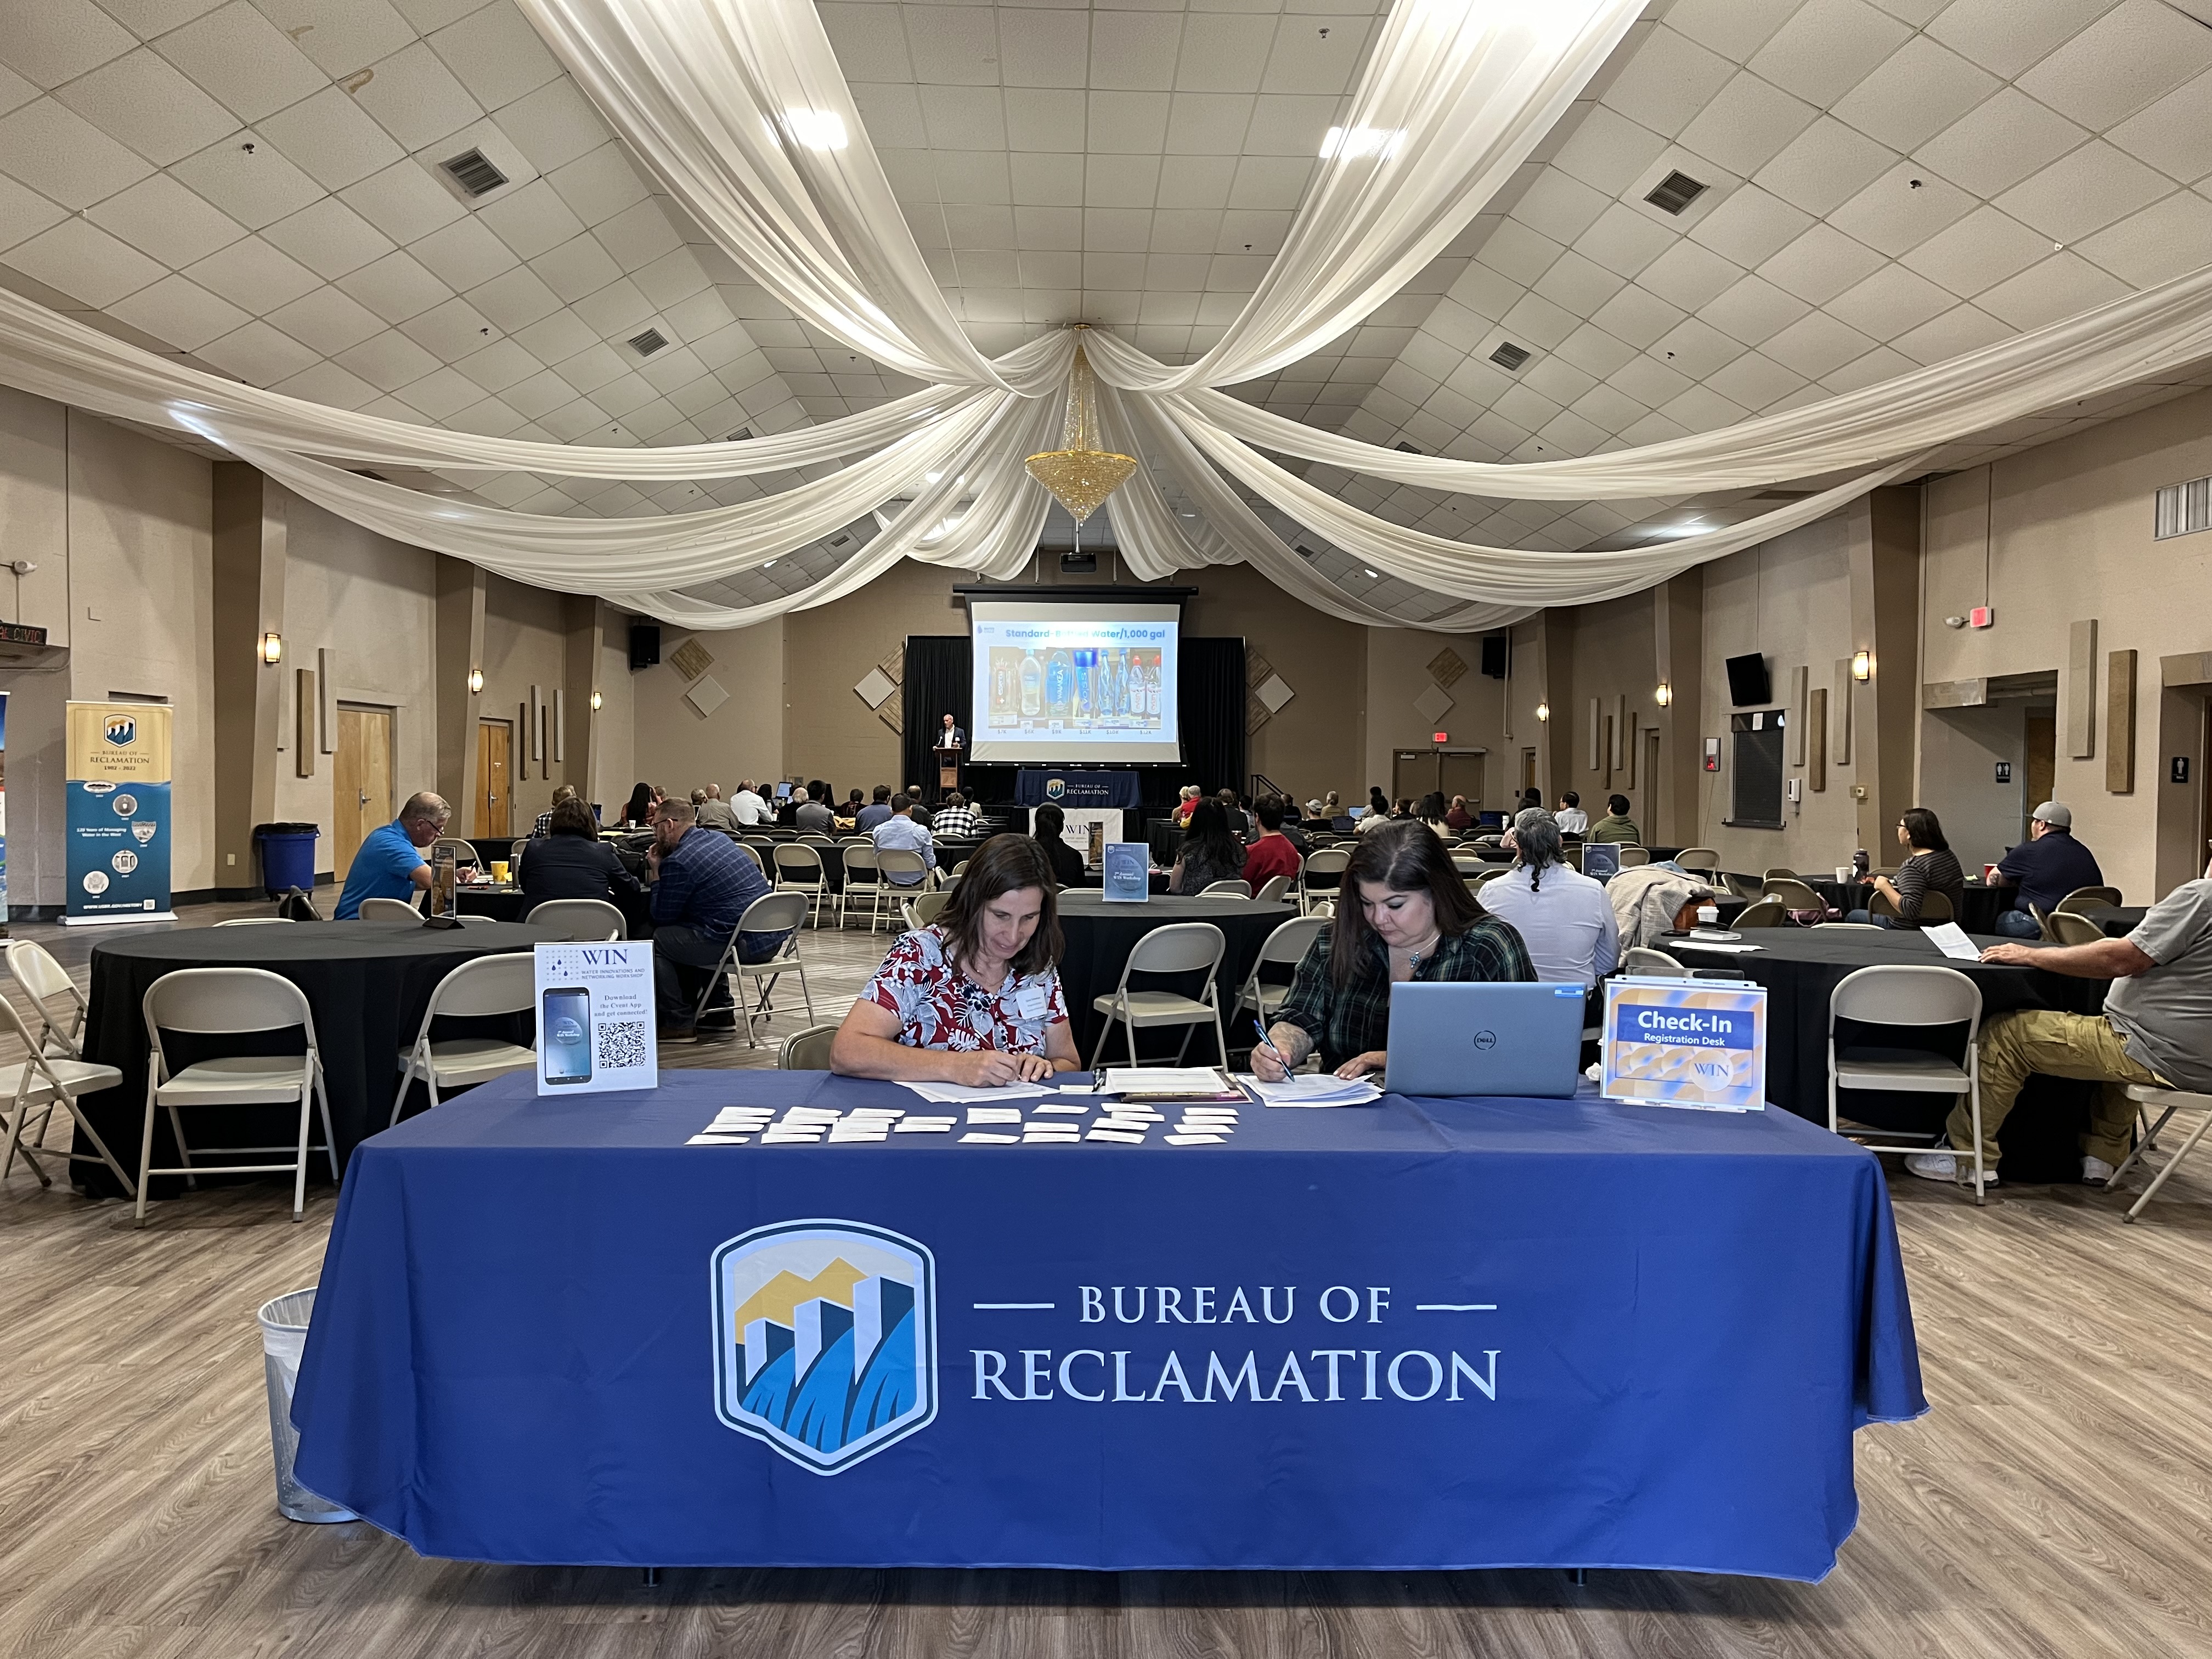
1481, 1333
1033, 787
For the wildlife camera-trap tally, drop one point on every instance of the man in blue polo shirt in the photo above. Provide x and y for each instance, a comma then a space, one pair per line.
2044, 869
389, 863
703, 881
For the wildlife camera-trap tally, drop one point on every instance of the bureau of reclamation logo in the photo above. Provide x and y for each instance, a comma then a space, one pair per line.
825, 1338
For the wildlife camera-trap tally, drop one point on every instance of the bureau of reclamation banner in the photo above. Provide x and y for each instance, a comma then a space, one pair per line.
117, 821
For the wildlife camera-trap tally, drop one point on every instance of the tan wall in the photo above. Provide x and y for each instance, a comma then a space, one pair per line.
524, 645
1397, 674
1613, 662
1309, 747
679, 749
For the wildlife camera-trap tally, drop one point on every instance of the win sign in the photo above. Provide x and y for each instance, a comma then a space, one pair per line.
1686, 1042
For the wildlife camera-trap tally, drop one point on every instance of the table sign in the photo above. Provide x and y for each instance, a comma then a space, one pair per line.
1600, 860
118, 813
1127, 878
1083, 824
1678, 1043
595, 1018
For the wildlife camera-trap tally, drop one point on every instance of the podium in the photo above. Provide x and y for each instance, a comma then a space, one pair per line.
948, 768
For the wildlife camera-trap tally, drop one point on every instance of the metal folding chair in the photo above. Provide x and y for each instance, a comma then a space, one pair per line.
799, 870
583, 918
807, 1050
1286, 947
33, 967
38, 1085
2172, 1101
1908, 997
1186, 947
388, 909
772, 913
490, 985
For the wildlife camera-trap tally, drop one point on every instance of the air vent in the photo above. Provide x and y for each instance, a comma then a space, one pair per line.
1509, 356
474, 172
2184, 509
1304, 551
1405, 447
739, 436
646, 343
1781, 496
1675, 192
839, 541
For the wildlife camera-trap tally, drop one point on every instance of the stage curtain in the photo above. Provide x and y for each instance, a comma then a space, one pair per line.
1210, 682
936, 683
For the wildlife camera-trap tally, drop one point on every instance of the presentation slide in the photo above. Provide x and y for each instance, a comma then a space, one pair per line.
1073, 683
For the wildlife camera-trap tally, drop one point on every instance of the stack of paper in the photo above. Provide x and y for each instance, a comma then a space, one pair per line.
1035, 1134
984, 1138
954, 1093
1951, 940
1063, 1108
1171, 1082
994, 1114
733, 1126
924, 1126
1314, 1089
1133, 1136
1204, 1125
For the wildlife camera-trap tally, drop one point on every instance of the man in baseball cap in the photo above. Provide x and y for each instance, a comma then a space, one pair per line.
2044, 869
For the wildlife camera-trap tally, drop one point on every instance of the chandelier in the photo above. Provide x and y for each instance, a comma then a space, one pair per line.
1079, 474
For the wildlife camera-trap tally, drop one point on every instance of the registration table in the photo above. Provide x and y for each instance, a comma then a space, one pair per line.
1431, 1333
367, 985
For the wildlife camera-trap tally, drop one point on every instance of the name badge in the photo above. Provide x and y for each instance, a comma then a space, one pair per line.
1031, 1002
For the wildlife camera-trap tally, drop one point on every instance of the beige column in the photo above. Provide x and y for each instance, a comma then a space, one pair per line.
249, 604
1885, 567
1678, 628
460, 653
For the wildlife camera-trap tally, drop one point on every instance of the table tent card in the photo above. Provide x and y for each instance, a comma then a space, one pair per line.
1128, 872
1686, 1042
595, 1014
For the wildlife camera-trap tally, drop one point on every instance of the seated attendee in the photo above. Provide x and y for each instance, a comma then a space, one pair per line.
918, 809
849, 813
751, 807
702, 884
1930, 867
810, 816
714, 812
955, 820
1209, 851
1573, 820
1186, 804
2156, 1028
1562, 915
2044, 869
1374, 818
1378, 804
1459, 818
638, 813
875, 811
973, 998
543, 827
573, 862
1293, 831
786, 810
1067, 864
1531, 798
1405, 914
1330, 806
1431, 811
902, 830
1233, 813
1616, 826
1272, 854
389, 862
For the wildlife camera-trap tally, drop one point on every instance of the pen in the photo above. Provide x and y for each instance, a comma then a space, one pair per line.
1272, 1048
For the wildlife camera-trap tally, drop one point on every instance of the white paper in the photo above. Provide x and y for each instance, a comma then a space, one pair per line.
924, 1126
953, 1094
1194, 1140
1163, 1080
1122, 1137
1064, 1111
994, 1114
718, 1140
1716, 944
1312, 1089
991, 1139
1951, 940
595, 1018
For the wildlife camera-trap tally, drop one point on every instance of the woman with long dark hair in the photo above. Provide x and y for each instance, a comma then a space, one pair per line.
1930, 867
639, 811
1209, 853
1405, 914
974, 997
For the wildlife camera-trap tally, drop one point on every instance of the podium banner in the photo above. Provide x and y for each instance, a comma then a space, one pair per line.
1038, 786
116, 826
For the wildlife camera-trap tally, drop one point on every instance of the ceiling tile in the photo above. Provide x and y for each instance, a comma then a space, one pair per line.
327, 383
2001, 144
868, 47
395, 287
1689, 275
1751, 226
259, 354
498, 365
1901, 209
1221, 52
247, 178
553, 125
1607, 151
444, 392
532, 220
148, 18
1888, 303
85, 262
1668, 82
1127, 123
1519, 251
1636, 317
1820, 264
1695, 348
327, 321
1755, 381
1559, 206
1960, 330
637, 236
2062, 286
2083, 191
2174, 135
24, 213
449, 330
674, 277
954, 45
179, 311
1044, 121
328, 238
160, 217
341, 35
1914, 94
15, 90
1208, 124
145, 102
496, 55
253, 274
973, 177
2004, 37
2134, 54
52, 41
1578, 284
618, 309
1751, 310
463, 254
557, 337
404, 201
2156, 245
1827, 48
1135, 50
1210, 181
244, 60
1315, 52
1623, 240
1736, 29
390, 360
962, 117
1261, 181
61, 155
1816, 345
1826, 166
329, 138
1748, 124
413, 96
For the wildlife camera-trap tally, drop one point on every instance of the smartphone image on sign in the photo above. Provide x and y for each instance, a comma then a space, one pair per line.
565, 1027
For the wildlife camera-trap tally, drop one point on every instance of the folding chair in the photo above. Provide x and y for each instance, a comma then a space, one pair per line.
895, 861
921, 909
863, 881
255, 921
807, 1050
1703, 860
1327, 862
388, 909
1793, 893
2172, 1100
1646, 962
799, 870
515, 853
1777, 872
38, 1085
1186, 947
1632, 856
232, 1001
1272, 890
1764, 912
42, 979
490, 985
2083, 900
1286, 947
1227, 890
2066, 928
772, 913
1908, 997
583, 918
464, 851
1934, 907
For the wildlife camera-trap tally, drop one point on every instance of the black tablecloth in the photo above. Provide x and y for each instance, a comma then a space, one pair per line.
2118, 921
505, 904
1800, 968
1100, 937
366, 983
949, 853
1978, 909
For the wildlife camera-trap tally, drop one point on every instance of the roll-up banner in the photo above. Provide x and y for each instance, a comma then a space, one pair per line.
118, 812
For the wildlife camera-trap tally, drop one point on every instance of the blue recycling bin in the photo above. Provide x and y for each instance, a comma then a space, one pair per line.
287, 856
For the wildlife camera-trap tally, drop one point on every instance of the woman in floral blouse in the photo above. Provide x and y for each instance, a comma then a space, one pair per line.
975, 998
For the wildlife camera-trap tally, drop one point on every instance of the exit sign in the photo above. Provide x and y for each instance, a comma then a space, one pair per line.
1441, 737
1981, 616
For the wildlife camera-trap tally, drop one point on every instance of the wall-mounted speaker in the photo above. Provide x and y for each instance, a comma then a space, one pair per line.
1493, 655
644, 645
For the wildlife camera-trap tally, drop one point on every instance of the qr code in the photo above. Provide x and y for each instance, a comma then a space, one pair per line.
622, 1045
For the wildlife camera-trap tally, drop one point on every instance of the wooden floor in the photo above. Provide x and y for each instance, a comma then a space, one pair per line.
2056, 1501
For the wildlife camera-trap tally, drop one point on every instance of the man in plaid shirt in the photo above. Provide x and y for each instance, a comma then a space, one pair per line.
703, 882
955, 820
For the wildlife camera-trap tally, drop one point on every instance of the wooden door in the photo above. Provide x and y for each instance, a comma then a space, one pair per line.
1412, 774
361, 787
2042, 753
1528, 770
494, 776
1462, 776
1650, 773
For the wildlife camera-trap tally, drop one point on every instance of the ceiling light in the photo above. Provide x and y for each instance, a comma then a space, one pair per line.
1664, 695
816, 129
1356, 143
597, 700
1375, 575
1667, 533
1862, 665
272, 648
476, 681
1543, 711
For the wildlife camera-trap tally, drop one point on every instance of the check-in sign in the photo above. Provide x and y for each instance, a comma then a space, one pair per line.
1686, 1042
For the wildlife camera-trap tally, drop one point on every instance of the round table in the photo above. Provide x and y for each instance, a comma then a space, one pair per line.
367, 984
1100, 937
503, 902
1800, 968
1978, 907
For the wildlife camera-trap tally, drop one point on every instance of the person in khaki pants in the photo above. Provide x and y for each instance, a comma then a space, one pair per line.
2155, 1028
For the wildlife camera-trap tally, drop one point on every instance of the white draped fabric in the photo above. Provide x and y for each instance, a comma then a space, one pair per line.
738, 108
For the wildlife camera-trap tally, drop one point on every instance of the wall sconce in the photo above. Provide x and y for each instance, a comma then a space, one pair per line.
1862, 665
1664, 695
272, 648
476, 681
1543, 711
596, 701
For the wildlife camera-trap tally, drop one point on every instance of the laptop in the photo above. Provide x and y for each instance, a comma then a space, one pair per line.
1450, 1038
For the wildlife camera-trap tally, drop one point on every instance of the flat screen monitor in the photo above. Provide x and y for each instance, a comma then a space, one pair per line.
1075, 683
1748, 681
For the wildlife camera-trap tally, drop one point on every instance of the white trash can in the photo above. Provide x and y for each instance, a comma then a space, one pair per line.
283, 1340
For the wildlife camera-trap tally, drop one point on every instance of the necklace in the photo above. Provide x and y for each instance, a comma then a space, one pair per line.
1415, 957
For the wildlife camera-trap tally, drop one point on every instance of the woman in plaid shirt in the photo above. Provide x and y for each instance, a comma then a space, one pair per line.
1407, 915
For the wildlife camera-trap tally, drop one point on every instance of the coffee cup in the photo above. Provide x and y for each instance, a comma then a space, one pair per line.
499, 870
1844, 873
1709, 915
